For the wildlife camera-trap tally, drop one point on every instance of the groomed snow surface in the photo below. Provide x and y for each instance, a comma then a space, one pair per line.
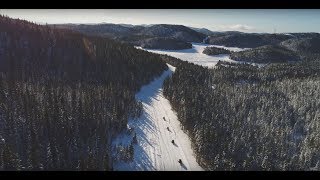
154, 150
196, 56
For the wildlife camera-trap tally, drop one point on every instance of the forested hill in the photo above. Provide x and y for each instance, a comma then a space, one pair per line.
241, 117
158, 36
63, 95
266, 54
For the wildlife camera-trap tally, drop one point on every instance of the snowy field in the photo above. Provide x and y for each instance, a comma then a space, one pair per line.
154, 150
196, 56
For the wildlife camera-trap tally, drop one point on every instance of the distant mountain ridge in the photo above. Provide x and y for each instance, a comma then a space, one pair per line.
174, 37
164, 43
203, 31
246, 40
137, 34
253, 40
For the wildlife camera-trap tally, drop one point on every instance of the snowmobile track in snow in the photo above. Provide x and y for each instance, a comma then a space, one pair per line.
154, 150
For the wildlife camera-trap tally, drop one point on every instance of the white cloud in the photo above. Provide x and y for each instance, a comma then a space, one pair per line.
242, 27
235, 27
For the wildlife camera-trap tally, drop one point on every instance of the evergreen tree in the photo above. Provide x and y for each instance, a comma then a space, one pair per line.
134, 139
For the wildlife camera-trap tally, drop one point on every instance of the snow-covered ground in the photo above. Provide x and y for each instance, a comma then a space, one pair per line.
154, 150
196, 56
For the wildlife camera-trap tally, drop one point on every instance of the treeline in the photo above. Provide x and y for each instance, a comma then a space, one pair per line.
211, 50
242, 117
64, 95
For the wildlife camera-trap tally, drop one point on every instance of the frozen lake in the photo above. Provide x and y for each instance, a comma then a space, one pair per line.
196, 56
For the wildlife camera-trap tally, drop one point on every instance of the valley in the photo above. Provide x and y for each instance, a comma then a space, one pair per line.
157, 97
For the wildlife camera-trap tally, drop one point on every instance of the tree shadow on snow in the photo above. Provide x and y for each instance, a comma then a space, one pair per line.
163, 51
148, 93
141, 160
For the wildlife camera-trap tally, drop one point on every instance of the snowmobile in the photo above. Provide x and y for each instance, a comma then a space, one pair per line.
168, 128
180, 161
172, 141
164, 119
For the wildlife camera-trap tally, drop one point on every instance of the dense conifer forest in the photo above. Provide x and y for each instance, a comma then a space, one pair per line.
242, 117
64, 95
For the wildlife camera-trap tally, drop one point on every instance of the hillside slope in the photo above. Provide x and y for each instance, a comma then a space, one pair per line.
246, 40
65, 95
137, 35
265, 54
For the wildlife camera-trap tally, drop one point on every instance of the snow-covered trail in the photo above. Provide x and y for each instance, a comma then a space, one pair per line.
154, 150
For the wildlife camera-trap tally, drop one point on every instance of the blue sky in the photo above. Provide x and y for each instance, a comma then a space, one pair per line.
246, 20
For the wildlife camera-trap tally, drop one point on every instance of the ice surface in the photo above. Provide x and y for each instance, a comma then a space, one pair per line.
196, 56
